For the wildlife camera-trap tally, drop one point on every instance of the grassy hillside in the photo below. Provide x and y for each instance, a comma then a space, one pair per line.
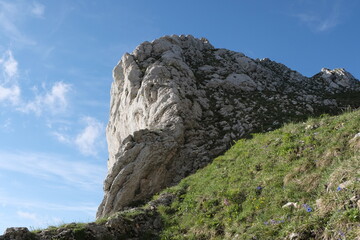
313, 168
298, 182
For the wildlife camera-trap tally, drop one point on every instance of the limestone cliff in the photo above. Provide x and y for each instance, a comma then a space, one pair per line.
178, 102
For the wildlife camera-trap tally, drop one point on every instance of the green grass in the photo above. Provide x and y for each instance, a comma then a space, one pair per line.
77, 228
240, 195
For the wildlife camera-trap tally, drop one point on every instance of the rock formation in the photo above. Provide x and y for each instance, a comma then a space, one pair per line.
178, 102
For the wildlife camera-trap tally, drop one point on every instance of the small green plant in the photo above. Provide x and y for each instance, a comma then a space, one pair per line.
101, 221
353, 215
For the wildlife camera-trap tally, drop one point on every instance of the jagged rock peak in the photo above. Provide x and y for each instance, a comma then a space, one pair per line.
338, 77
178, 102
173, 43
338, 72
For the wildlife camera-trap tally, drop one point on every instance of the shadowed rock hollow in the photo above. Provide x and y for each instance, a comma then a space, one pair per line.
178, 102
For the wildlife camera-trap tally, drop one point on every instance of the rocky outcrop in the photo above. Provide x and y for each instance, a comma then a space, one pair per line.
178, 102
18, 233
132, 224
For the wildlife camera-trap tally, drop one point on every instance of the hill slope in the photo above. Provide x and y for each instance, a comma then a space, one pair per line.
301, 181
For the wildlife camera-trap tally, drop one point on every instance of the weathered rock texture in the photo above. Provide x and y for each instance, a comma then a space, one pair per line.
178, 102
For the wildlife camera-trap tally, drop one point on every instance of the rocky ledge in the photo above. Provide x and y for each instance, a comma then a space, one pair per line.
132, 224
178, 102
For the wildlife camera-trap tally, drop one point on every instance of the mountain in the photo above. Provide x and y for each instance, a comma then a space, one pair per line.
178, 102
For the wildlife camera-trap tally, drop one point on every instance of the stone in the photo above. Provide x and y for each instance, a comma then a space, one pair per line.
355, 141
291, 205
346, 184
294, 236
18, 233
178, 102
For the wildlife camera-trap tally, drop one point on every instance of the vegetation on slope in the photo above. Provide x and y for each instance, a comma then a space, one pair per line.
301, 181
298, 182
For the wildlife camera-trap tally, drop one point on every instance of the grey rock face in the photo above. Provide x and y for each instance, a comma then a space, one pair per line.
18, 233
178, 102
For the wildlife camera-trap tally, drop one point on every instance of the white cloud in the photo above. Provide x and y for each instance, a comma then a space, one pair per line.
10, 65
9, 89
11, 94
54, 100
320, 16
318, 23
57, 97
87, 141
328, 23
55, 168
38, 10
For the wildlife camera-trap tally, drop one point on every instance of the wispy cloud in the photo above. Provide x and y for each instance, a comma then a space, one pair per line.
11, 14
45, 166
61, 137
89, 141
40, 214
320, 16
38, 10
54, 100
318, 23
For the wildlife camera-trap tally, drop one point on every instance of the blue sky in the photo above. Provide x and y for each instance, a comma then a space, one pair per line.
56, 59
